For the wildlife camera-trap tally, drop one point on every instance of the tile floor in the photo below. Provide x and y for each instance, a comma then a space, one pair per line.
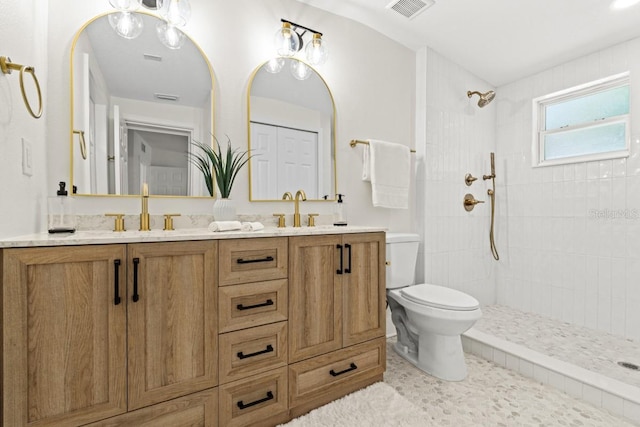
491, 396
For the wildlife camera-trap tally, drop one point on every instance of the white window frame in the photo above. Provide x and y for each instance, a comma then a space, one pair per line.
539, 132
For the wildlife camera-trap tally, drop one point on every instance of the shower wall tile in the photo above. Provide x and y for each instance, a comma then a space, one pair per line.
458, 139
569, 233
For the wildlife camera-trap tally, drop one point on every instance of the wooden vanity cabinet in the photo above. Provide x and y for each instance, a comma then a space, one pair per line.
230, 332
336, 316
91, 332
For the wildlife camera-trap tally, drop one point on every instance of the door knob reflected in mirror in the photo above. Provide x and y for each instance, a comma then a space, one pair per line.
470, 202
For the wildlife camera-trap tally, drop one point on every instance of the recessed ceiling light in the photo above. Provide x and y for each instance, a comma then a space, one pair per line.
622, 4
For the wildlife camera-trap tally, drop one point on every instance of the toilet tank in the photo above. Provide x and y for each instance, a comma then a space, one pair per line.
402, 253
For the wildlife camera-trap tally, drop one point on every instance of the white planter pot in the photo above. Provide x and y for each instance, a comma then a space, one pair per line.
224, 210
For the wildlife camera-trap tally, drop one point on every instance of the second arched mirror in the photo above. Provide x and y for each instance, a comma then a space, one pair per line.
291, 118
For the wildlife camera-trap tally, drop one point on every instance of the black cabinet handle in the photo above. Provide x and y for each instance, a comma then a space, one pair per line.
269, 349
348, 269
116, 282
341, 256
351, 367
135, 297
242, 405
249, 307
249, 261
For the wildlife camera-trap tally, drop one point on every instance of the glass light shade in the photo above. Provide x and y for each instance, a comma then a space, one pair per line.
316, 51
170, 36
274, 65
300, 70
126, 24
176, 12
125, 5
622, 4
286, 41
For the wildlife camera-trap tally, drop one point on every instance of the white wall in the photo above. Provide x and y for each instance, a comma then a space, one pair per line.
372, 99
454, 137
561, 260
23, 31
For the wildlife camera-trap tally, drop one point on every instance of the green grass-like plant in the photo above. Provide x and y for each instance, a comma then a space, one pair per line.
219, 166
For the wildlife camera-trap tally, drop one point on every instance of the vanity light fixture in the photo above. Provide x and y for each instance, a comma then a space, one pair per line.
175, 14
288, 41
300, 70
125, 23
274, 65
622, 4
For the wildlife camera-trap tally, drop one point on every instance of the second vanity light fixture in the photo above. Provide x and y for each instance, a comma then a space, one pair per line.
175, 14
288, 41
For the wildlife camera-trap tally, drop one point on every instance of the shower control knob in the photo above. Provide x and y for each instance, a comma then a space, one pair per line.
470, 202
468, 179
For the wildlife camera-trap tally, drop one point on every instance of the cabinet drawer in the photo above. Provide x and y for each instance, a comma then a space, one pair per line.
261, 399
252, 260
251, 351
252, 304
332, 375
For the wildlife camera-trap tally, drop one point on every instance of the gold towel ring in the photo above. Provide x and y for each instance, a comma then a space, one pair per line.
7, 66
83, 144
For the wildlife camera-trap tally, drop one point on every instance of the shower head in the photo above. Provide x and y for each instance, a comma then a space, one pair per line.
485, 98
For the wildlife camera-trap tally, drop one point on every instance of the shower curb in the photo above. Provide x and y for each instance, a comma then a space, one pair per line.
612, 395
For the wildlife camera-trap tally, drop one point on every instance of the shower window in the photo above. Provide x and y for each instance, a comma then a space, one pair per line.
583, 123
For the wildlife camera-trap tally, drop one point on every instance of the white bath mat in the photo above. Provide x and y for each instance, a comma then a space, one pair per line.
377, 405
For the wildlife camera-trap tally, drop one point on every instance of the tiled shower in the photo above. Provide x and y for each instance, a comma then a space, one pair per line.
568, 236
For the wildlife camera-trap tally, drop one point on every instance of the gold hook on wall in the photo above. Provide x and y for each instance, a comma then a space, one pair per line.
7, 66
83, 144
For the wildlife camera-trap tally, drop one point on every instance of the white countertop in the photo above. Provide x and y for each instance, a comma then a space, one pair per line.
93, 237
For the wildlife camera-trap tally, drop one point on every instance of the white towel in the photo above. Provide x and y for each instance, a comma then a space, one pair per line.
225, 226
252, 226
389, 171
366, 163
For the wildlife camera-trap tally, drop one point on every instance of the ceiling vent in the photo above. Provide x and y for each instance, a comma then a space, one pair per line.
410, 8
166, 97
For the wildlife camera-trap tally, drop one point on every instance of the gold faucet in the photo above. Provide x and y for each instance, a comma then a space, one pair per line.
296, 216
287, 196
144, 216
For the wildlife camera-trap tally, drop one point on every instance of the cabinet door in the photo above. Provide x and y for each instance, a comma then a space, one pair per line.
315, 296
172, 321
63, 335
364, 287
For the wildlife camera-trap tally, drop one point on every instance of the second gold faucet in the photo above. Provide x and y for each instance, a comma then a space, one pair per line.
300, 194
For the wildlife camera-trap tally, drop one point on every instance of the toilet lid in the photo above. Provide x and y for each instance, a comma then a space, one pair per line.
440, 297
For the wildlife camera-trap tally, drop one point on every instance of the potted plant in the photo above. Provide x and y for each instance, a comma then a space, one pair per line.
223, 167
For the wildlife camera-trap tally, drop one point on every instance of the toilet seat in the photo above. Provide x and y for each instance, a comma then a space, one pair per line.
440, 297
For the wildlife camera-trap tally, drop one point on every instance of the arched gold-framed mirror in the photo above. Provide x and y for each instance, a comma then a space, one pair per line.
291, 128
137, 105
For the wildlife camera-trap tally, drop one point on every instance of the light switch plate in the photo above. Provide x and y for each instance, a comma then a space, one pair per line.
27, 158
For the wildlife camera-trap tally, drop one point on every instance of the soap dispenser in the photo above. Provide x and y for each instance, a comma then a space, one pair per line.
340, 212
62, 217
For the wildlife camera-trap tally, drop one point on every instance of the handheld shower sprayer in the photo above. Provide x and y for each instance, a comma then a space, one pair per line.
485, 98
492, 195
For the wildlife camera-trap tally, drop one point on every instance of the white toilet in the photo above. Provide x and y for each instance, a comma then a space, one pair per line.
428, 319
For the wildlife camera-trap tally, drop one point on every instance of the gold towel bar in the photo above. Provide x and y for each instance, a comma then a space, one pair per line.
6, 66
357, 141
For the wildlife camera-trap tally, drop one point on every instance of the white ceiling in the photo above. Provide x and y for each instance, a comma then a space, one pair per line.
500, 41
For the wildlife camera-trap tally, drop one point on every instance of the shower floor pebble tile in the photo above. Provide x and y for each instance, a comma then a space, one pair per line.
491, 396
596, 351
